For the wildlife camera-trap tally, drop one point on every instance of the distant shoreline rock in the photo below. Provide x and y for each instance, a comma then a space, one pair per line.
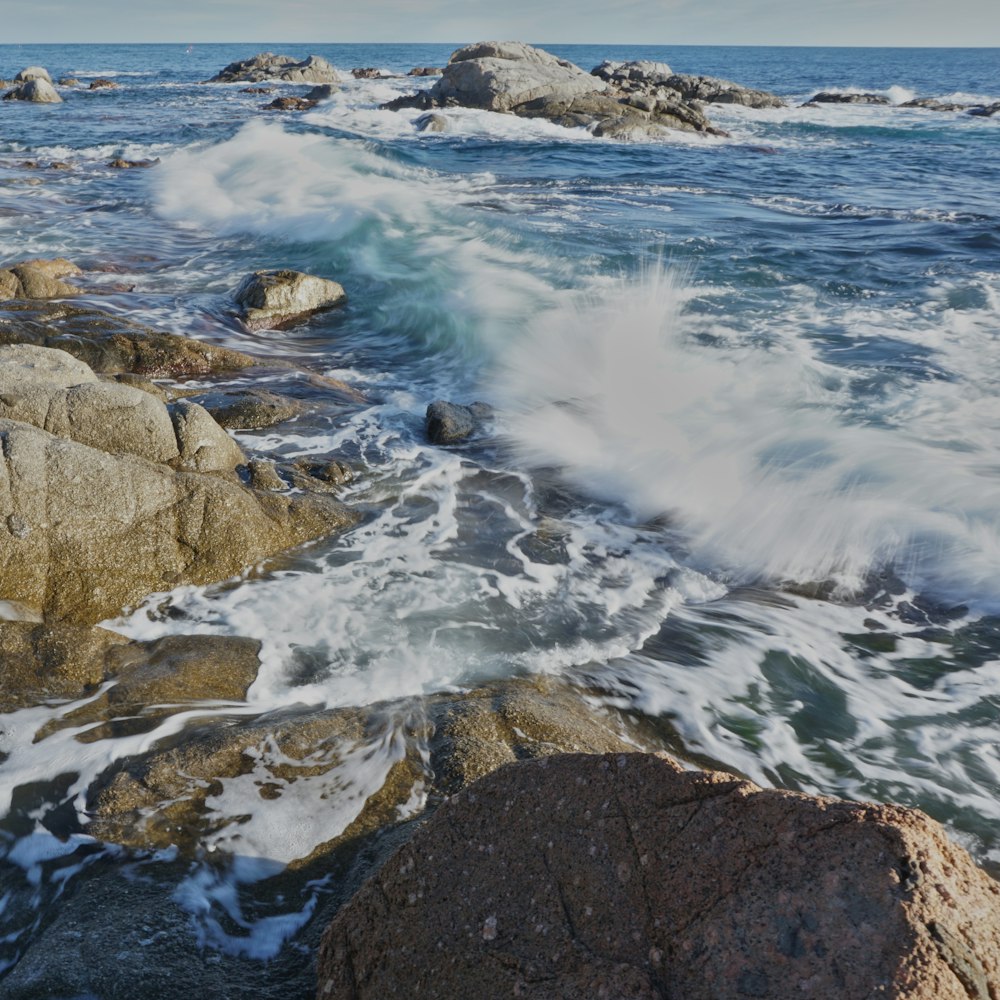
268, 66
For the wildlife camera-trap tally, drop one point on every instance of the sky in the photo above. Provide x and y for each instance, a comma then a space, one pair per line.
665, 22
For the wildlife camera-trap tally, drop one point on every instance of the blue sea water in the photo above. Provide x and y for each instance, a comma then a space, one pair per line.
745, 475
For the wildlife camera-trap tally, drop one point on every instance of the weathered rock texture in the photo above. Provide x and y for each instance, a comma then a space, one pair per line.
110, 343
104, 497
38, 279
269, 300
623, 876
38, 91
268, 66
33, 73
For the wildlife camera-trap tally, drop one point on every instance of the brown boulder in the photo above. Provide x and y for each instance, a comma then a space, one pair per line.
623, 876
38, 279
270, 300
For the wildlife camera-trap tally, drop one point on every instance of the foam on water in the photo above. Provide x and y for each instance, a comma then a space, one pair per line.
754, 452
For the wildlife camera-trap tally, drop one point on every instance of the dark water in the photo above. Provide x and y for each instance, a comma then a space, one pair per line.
781, 350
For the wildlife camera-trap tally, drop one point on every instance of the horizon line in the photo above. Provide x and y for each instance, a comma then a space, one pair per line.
713, 45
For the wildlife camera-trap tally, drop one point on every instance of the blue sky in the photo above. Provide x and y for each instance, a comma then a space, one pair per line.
668, 22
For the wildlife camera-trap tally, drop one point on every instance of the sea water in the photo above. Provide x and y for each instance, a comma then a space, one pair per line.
744, 474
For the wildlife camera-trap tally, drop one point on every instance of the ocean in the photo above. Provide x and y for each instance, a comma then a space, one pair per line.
743, 479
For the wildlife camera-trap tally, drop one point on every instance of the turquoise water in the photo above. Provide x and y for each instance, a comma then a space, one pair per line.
775, 491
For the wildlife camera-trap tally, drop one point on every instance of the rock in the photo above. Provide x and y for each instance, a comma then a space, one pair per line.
657, 80
102, 84
33, 73
501, 76
932, 104
270, 300
425, 71
268, 66
828, 98
54, 391
71, 511
112, 343
985, 110
449, 423
144, 384
68, 81
289, 104
42, 662
432, 123
203, 445
249, 409
367, 73
38, 91
623, 876
420, 101
264, 475
322, 92
123, 164
60, 165
38, 279
258, 90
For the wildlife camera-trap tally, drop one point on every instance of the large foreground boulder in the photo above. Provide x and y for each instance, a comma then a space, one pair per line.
268, 66
623, 876
269, 300
85, 533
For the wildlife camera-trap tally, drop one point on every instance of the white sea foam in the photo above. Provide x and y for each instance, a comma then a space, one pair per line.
751, 452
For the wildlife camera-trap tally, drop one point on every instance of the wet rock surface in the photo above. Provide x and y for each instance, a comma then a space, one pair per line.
623, 876
35, 91
268, 66
109, 342
38, 279
270, 300
838, 98
249, 409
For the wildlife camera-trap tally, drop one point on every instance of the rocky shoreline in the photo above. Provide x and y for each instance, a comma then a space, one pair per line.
557, 850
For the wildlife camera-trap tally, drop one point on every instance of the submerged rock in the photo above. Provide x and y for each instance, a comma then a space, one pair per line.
431, 123
122, 164
367, 73
829, 98
932, 104
38, 279
268, 66
112, 343
290, 104
270, 300
36, 91
102, 84
321, 92
449, 423
623, 876
985, 110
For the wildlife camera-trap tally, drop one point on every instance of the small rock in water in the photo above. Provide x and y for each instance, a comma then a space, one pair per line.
829, 98
268, 66
102, 84
432, 123
425, 71
270, 300
290, 104
68, 81
449, 423
366, 73
123, 164
322, 92
257, 90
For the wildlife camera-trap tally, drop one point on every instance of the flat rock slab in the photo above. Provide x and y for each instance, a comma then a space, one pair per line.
623, 876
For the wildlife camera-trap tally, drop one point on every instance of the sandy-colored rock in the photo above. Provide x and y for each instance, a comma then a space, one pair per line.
268, 66
38, 279
203, 445
36, 91
249, 409
269, 300
500, 76
622, 876
102, 84
70, 514
33, 73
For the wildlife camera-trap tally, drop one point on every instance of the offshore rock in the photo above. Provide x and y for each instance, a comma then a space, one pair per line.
431, 123
268, 66
658, 80
501, 76
102, 84
449, 423
829, 98
985, 110
321, 92
37, 91
425, 71
270, 300
290, 104
622, 876
111, 343
38, 279
932, 104
33, 73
